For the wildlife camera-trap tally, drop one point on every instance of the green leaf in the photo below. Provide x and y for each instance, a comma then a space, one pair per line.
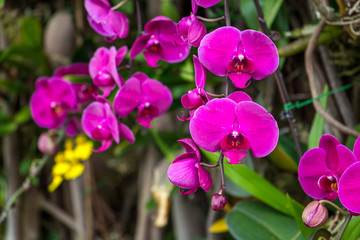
7, 128
353, 230
317, 127
23, 115
2, 3
78, 79
270, 9
30, 32
256, 221
169, 10
285, 155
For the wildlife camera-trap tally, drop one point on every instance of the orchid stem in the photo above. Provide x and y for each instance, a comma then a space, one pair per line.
227, 13
209, 165
119, 4
280, 83
210, 19
334, 205
139, 30
215, 95
222, 174
27, 183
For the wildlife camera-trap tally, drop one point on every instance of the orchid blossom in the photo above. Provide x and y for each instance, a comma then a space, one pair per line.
159, 43
103, 68
239, 54
186, 172
149, 96
105, 21
234, 125
320, 169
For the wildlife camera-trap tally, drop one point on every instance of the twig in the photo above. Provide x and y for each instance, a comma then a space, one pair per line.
119, 4
280, 83
139, 30
311, 76
210, 19
58, 213
222, 174
227, 13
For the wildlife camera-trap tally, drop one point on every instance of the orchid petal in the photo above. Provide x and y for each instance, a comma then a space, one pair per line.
190, 147
183, 173
204, 179
240, 79
235, 155
152, 58
345, 159
157, 94
356, 149
217, 49
200, 73
239, 96
119, 24
97, 9
162, 27
105, 144
73, 69
126, 133
128, 97
258, 126
196, 33
261, 51
329, 143
349, 188
311, 167
207, 3
139, 45
172, 53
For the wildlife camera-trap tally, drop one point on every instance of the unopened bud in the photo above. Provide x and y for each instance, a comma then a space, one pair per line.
218, 202
47, 143
315, 214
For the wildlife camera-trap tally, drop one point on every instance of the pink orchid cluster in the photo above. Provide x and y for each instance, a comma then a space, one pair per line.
234, 124
331, 171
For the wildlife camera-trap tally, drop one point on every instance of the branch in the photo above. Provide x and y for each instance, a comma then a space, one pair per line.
311, 76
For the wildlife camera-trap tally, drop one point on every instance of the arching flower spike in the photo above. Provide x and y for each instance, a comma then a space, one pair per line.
234, 125
240, 54
186, 172
321, 168
159, 43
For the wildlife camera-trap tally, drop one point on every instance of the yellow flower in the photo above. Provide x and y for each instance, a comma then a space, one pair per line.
67, 163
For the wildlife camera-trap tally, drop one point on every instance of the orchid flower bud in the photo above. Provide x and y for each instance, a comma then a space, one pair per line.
47, 143
218, 202
315, 214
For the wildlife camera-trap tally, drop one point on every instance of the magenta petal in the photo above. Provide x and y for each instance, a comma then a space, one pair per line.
235, 155
261, 51
139, 45
218, 48
97, 9
239, 96
162, 27
211, 122
329, 143
152, 58
258, 126
197, 31
128, 97
98, 61
73, 69
356, 149
190, 191
126, 133
158, 95
112, 123
200, 73
174, 53
183, 173
345, 159
204, 179
119, 24
105, 144
349, 188
207, 3
190, 147
194, 6
240, 79
98, 27
311, 167
114, 57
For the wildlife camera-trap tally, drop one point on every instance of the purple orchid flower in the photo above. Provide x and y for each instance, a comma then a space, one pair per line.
196, 97
150, 96
320, 169
99, 123
51, 102
240, 54
186, 172
234, 125
349, 184
84, 91
159, 43
102, 68
190, 30
106, 22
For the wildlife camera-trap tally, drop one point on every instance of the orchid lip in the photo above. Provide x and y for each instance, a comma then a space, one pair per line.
328, 183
